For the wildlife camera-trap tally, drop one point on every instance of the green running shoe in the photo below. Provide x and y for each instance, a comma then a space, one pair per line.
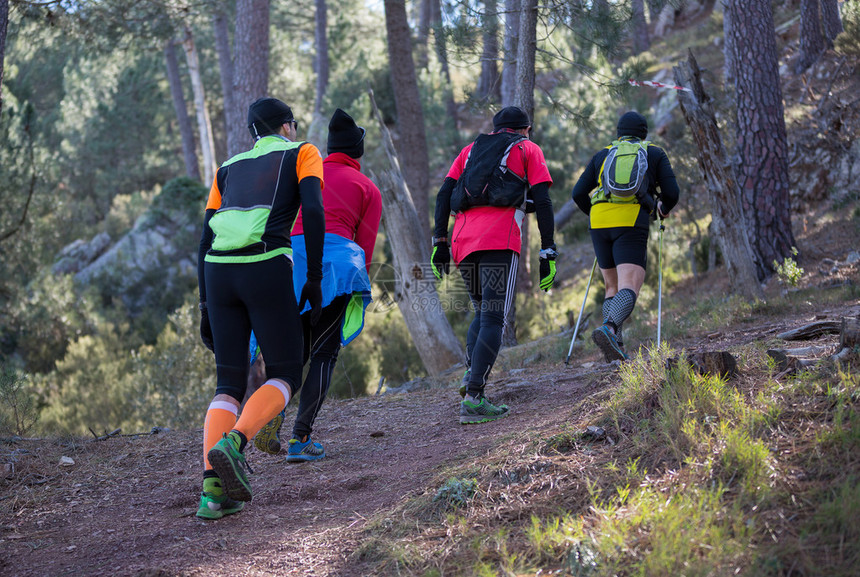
216, 506
230, 465
482, 412
268, 439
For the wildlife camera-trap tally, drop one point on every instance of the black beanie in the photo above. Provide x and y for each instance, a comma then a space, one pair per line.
633, 124
266, 115
511, 117
344, 135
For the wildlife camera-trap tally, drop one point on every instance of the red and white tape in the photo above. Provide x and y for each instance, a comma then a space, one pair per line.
656, 85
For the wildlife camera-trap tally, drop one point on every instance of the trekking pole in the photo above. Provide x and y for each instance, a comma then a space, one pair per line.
660, 283
576, 328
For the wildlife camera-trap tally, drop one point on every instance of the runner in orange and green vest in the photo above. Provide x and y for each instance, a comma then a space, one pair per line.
245, 278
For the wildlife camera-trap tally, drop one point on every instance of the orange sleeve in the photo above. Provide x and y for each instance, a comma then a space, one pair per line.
309, 163
214, 201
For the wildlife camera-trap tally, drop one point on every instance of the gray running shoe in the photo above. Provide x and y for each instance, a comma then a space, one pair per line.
481, 412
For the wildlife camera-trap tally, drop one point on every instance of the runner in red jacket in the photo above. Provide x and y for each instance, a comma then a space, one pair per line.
486, 243
353, 208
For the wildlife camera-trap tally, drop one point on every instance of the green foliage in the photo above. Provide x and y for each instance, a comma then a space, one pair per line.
848, 42
691, 533
47, 315
456, 492
745, 460
181, 195
788, 272
99, 385
19, 409
93, 387
176, 374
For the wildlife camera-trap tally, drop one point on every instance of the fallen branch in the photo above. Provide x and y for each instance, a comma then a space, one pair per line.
113, 433
811, 331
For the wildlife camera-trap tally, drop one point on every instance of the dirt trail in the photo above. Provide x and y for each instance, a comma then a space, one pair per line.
126, 507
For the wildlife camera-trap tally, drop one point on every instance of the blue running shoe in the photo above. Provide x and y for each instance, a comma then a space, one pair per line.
604, 337
298, 452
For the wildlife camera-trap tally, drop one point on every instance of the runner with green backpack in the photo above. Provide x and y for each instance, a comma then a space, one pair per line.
618, 191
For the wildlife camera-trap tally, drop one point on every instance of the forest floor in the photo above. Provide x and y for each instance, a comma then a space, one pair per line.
125, 505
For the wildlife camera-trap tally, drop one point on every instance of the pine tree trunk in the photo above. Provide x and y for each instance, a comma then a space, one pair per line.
453, 120
511, 41
761, 137
4, 22
321, 57
204, 126
812, 44
415, 289
186, 131
489, 87
524, 96
641, 41
654, 8
666, 20
727, 224
423, 37
831, 20
728, 59
225, 67
250, 67
410, 114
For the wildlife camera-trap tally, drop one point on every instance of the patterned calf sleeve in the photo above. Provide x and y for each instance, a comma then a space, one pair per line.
607, 305
621, 308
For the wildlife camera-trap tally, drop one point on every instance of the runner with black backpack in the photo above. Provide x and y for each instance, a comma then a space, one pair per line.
618, 191
492, 184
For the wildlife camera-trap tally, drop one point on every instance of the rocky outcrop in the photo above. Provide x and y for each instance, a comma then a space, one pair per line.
155, 263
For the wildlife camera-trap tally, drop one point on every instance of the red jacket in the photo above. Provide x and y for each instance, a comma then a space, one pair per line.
353, 205
490, 227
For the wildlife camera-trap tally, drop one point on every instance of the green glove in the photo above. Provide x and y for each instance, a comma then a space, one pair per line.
440, 259
547, 267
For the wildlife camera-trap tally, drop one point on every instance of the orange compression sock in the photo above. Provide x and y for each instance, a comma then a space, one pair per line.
220, 419
266, 402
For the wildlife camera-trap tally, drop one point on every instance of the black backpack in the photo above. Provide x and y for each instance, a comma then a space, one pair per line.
486, 179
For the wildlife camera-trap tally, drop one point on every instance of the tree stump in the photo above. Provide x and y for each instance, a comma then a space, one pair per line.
715, 363
849, 336
719, 363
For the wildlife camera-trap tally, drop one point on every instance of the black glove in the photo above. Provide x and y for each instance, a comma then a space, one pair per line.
440, 259
547, 267
206, 328
312, 294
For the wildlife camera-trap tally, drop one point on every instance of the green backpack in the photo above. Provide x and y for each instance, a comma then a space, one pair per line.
623, 176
